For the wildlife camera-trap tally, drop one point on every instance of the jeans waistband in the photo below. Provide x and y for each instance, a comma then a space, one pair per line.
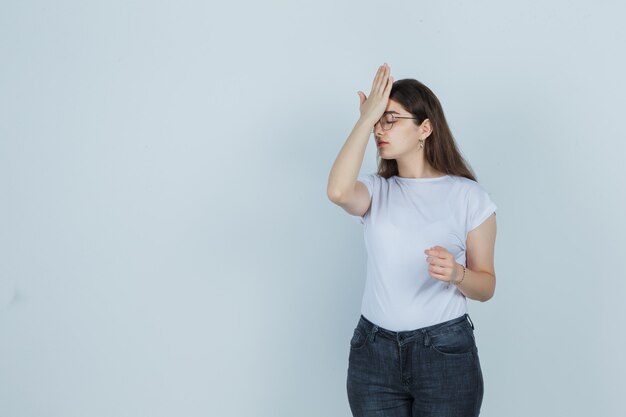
372, 328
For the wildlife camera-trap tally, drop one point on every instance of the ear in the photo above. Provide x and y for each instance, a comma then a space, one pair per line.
426, 128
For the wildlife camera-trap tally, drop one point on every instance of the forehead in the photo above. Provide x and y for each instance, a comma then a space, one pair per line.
394, 108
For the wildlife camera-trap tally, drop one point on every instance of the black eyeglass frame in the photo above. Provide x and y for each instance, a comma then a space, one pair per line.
393, 122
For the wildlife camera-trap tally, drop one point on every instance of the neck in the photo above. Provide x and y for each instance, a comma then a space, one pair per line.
421, 169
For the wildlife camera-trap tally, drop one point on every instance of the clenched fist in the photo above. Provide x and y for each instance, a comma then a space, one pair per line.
442, 265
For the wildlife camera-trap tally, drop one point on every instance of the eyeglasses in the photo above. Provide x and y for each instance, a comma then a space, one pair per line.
388, 119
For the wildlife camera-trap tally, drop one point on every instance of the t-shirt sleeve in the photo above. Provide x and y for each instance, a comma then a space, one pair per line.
480, 206
368, 180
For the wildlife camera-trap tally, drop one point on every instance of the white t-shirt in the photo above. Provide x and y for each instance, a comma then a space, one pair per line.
406, 217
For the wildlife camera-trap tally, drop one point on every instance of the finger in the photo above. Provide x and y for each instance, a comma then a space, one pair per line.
433, 251
439, 262
376, 78
441, 252
438, 277
437, 274
384, 80
441, 277
389, 85
440, 270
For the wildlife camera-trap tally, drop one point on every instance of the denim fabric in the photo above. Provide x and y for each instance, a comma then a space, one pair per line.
429, 372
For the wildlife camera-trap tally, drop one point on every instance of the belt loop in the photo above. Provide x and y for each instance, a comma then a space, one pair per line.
470, 320
426, 338
373, 334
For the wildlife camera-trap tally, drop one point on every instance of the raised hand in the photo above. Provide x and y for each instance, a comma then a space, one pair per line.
373, 107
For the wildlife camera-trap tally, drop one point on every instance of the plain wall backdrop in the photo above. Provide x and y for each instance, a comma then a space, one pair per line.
167, 247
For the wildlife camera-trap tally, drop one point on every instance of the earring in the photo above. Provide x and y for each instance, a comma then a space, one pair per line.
421, 143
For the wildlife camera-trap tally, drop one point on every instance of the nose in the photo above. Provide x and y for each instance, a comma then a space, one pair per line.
378, 130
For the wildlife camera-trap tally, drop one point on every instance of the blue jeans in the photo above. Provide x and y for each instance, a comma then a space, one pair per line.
433, 371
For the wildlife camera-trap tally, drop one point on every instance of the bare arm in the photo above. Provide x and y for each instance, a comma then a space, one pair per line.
342, 181
480, 276
345, 170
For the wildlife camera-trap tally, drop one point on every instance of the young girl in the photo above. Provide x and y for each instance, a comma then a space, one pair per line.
430, 232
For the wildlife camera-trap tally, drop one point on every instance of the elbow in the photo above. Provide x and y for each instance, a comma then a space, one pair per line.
492, 292
334, 196
337, 196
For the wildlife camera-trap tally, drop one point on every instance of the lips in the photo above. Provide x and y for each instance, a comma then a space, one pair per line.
382, 143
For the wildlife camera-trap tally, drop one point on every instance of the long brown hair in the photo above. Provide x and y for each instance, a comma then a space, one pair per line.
440, 148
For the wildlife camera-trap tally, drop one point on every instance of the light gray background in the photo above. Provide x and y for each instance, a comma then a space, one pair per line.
167, 246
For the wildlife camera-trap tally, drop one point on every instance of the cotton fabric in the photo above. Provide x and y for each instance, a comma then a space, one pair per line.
407, 216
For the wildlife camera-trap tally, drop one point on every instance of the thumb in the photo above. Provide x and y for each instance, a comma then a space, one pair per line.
362, 97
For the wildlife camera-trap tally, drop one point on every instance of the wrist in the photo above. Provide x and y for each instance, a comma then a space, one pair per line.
460, 274
367, 121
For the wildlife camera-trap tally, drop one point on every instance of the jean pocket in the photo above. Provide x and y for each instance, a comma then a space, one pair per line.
358, 339
456, 342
